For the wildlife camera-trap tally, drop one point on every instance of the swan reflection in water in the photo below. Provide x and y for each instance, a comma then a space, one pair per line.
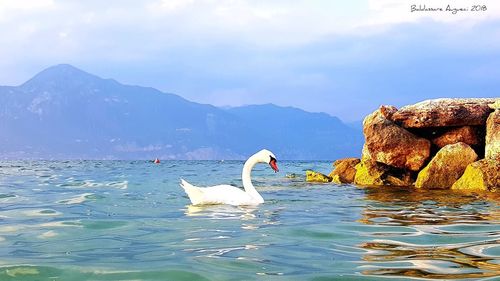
459, 234
217, 222
222, 212
246, 214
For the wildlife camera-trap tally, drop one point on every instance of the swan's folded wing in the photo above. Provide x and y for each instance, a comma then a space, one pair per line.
226, 194
219, 194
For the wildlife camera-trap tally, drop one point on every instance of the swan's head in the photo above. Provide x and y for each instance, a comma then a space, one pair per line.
266, 156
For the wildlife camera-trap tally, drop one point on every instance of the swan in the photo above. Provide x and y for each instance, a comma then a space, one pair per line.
232, 195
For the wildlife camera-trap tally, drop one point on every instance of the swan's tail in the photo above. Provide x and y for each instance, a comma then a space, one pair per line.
195, 193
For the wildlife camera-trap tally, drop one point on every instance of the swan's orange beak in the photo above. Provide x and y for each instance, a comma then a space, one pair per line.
273, 165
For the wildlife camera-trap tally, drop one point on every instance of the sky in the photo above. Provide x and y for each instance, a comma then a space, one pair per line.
344, 58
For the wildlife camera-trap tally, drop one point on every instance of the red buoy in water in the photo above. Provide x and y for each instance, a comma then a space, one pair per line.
157, 161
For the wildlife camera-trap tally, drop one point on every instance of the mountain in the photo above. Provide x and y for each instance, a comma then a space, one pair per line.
66, 113
298, 134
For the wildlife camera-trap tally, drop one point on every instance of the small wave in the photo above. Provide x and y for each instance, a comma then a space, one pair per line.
93, 184
76, 200
48, 234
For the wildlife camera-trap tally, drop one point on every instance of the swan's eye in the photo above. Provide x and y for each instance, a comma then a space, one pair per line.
272, 158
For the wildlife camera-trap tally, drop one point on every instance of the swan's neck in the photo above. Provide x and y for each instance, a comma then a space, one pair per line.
247, 181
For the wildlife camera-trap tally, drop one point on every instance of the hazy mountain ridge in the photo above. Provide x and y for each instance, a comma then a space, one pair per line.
66, 113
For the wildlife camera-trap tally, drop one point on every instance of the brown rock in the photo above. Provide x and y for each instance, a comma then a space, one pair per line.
482, 175
344, 170
390, 144
444, 112
388, 111
446, 167
312, 176
492, 149
466, 134
402, 180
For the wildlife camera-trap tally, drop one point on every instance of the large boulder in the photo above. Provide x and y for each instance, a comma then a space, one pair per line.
466, 134
444, 112
492, 149
482, 175
370, 173
446, 167
390, 144
312, 176
344, 170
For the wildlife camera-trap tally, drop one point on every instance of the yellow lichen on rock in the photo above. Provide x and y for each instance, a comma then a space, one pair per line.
446, 167
336, 179
369, 173
312, 176
482, 175
495, 105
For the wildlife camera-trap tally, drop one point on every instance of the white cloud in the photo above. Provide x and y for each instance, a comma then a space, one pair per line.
16, 9
24, 4
169, 5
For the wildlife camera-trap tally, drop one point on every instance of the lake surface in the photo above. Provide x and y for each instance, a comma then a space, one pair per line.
122, 220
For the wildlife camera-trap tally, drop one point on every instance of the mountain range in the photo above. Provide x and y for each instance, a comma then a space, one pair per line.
66, 113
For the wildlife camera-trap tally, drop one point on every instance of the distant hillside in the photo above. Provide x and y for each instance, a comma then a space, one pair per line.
66, 113
298, 134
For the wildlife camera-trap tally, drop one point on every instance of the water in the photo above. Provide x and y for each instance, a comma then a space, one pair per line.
118, 220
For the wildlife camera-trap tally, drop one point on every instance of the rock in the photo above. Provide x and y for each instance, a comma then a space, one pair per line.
336, 179
390, 144
388, 111
444, 112
403, 180
446, 167
466, 134
365, 154
369, 173
344, 170
495, 105
492, 148
482, 175
312, 176
392, 180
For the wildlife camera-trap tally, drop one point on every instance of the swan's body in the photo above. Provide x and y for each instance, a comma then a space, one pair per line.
231, 195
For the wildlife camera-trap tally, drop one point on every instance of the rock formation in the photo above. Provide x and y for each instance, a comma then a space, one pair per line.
434, 142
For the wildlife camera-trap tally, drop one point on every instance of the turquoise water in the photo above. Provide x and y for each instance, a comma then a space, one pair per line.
120, 220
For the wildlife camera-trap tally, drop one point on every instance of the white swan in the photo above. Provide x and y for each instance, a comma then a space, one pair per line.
231, 195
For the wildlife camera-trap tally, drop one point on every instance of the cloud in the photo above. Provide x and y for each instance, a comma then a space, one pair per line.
320, 55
